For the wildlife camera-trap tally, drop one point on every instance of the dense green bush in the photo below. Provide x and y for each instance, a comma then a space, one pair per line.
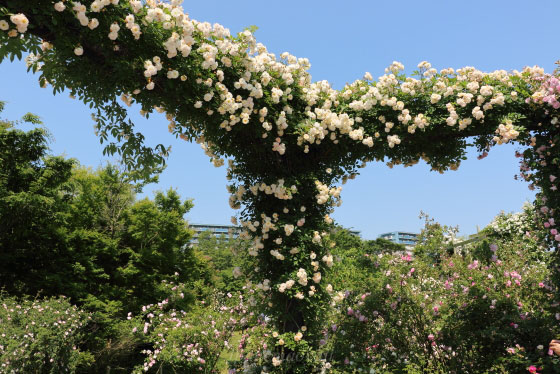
226, 256
351, 258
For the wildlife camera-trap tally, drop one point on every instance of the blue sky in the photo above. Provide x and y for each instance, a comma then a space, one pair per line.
343, 40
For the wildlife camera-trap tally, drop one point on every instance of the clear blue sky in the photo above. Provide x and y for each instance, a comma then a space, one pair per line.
343, 40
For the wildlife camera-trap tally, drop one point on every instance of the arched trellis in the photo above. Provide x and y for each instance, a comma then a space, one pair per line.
290, 141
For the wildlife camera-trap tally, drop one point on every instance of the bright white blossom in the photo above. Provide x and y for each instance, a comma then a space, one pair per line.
59, 7
21, 22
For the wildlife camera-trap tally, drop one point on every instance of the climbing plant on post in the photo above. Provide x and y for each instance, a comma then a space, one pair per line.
289, 141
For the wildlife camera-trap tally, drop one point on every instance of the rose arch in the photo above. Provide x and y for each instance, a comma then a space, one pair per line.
289, 141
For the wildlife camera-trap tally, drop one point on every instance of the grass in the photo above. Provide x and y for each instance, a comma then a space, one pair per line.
229, 354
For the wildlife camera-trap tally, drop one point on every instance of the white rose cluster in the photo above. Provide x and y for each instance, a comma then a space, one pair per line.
20, 21
59, 7
317, 277
277, 189
264, 286
302, 277
114, 31
505, 133
286, 285
317, 239
393, 140
133, 26
278, 146
207, 147
152, 67
257, 245
328, 260
276, 254
327, 121
325, 193
289, 229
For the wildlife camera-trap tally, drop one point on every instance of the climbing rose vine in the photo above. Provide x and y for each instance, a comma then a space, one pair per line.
289, 142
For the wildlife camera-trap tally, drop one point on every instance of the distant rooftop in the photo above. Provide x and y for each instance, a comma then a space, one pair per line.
409, 239
218, 230
214, 229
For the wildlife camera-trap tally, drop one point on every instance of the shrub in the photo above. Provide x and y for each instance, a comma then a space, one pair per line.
492, 309
187, 342
41, 336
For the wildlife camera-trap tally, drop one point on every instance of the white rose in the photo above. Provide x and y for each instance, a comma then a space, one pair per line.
59, 7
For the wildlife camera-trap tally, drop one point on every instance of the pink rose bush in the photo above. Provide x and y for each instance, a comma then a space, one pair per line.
41, 336
490, 307
187, 342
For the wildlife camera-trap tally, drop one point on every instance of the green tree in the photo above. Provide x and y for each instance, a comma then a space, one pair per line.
82, 233
226, 256
67, 230
381, 245
435, 240
126, 247
34, 202
353, 258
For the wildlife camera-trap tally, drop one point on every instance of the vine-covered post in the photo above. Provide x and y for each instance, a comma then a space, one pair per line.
285, 214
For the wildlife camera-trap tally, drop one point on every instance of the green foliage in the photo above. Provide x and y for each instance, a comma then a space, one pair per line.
33, 203
67, 230
435, 240
352, 258
187, 342
63, 224
41, 336
469, 312
381, 245
225, 256
135, 244
520, 227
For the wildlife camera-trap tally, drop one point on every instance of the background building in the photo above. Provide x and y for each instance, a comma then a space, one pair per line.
408, 239
229, 231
